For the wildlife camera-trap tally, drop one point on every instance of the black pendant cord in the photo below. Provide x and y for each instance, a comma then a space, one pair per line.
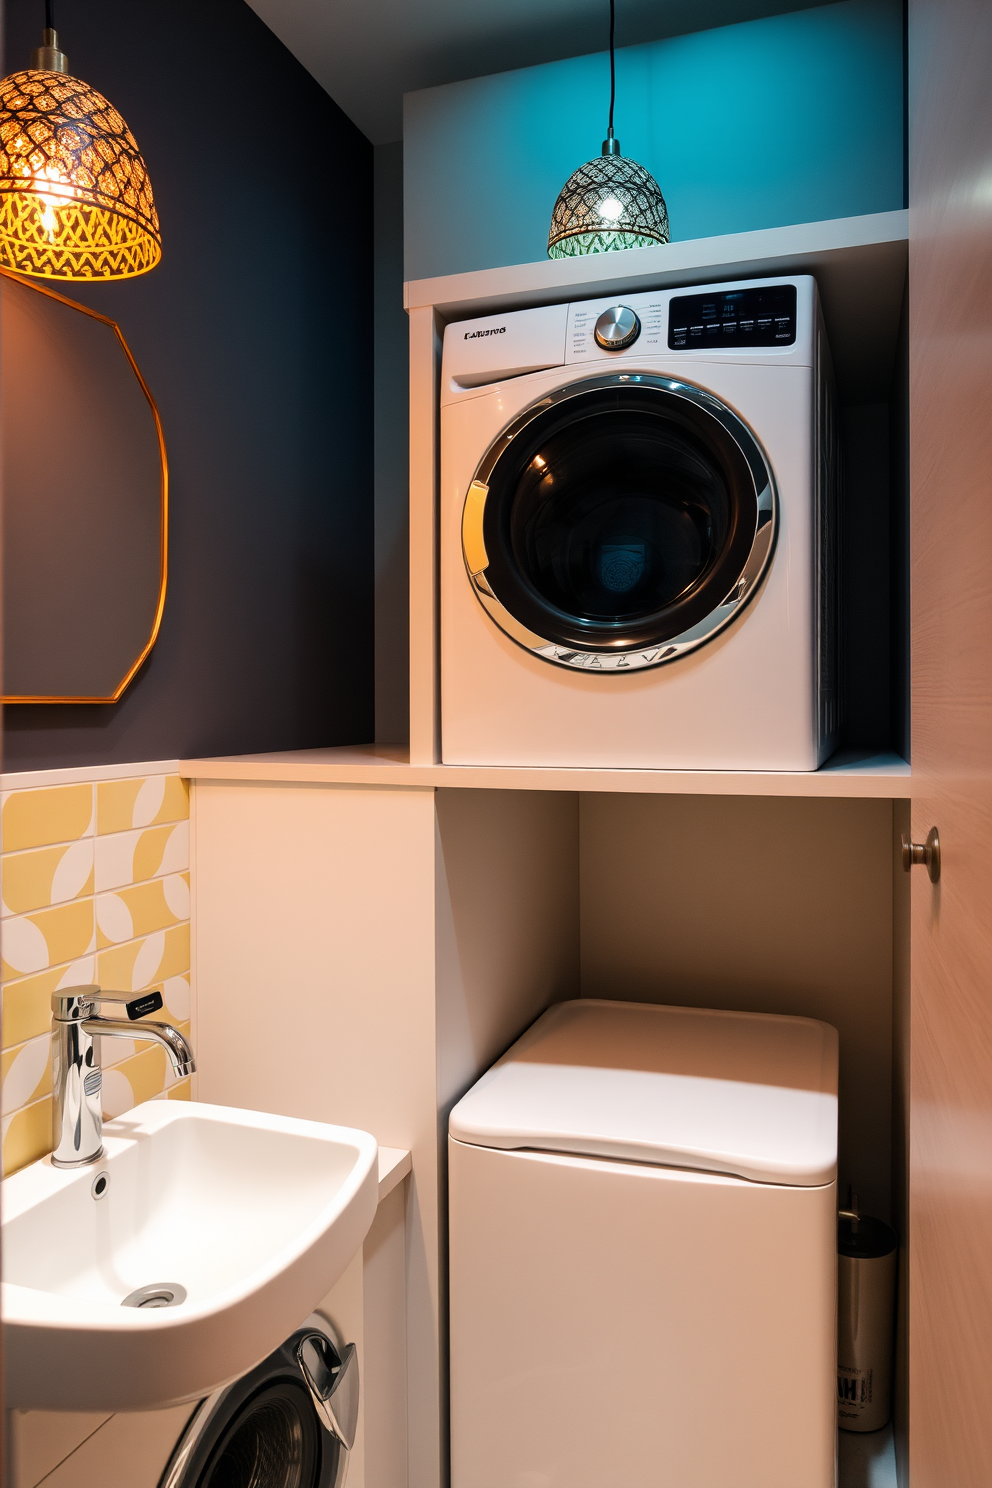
49, 15
613, 67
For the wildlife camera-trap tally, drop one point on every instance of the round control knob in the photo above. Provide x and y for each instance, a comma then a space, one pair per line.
616, 328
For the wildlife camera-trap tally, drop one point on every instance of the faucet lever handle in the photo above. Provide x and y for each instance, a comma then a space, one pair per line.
74, 1003
148, 1002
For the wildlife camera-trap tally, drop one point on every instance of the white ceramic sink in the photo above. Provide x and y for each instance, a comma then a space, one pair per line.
255, 1216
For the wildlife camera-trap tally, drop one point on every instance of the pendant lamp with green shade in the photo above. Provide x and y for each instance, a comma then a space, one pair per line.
610, 202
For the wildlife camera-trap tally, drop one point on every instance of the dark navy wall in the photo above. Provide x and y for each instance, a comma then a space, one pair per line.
791, 118
264, 189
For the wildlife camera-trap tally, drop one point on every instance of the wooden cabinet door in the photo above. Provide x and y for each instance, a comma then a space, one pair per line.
950, 1178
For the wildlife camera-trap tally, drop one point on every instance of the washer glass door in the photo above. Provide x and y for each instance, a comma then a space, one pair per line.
619, 522
272, 1442
264, 1431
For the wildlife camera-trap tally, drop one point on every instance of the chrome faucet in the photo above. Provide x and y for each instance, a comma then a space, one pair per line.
77, 1113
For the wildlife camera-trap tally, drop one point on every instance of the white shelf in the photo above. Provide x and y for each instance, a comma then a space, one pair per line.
395, 1163
850, 774
769, 250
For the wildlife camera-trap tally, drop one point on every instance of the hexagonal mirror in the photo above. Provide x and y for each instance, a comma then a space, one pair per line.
83, 465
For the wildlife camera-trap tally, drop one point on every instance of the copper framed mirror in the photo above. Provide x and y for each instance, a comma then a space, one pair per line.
85, 501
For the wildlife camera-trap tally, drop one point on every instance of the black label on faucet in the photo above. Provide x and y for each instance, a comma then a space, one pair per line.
150, 1003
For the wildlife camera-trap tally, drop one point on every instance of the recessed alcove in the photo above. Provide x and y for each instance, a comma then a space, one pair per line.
364, 951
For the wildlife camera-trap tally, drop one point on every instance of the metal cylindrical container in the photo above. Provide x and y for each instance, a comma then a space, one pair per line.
867, 1258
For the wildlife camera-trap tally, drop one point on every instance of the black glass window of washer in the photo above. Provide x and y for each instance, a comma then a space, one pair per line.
618, 519
272, 1442
740, 317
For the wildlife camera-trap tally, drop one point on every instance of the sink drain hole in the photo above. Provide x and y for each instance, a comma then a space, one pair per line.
157, 1294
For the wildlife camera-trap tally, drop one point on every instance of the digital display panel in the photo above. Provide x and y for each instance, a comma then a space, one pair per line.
736, 317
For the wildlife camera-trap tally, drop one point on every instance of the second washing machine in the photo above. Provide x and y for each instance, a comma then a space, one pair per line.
639, 533
642, 1253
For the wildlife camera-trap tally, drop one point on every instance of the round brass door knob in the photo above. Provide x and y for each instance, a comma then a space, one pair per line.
923, 852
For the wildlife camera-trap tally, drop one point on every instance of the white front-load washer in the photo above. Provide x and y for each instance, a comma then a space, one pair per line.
638, 519
288, 1423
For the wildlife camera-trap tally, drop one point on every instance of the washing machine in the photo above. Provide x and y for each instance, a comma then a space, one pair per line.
288, 1423
642, 1251
638, 533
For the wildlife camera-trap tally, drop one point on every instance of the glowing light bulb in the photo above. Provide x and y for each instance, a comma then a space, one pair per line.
611, 210
49, 204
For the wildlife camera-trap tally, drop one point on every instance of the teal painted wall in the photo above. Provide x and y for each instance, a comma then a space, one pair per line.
794, 118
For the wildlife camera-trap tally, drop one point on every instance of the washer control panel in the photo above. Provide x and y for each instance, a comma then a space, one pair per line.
589, 334
753, 320
735, 317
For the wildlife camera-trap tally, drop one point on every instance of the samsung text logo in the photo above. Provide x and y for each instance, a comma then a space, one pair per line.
492, 331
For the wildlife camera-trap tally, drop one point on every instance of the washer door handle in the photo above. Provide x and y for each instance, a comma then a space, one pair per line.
332, 1380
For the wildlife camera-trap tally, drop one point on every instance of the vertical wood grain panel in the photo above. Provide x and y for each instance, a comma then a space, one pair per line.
901, 1013
950, 1221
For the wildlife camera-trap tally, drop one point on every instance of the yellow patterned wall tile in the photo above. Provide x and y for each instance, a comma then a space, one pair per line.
113, 859
147, 1074
33, 942
124, 858
142, 908
182, 1090
125, 804
46, 875
175, 803
27, 1135
116, 1050
26, 1073
80, 908
175, 995
27, 1003
144, 963
36, 818
27, 1007
162, 850
115, 801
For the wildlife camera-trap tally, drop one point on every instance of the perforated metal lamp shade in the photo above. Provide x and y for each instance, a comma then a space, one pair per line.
75, 198
610, 202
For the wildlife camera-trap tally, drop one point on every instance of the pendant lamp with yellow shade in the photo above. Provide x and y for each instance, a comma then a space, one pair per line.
75, 199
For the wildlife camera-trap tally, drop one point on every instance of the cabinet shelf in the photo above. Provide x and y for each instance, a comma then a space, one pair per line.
847, 774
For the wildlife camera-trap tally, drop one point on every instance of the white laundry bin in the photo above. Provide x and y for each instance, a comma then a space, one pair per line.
643, 1265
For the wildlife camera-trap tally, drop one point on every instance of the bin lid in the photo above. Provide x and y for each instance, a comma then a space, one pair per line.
749, 1094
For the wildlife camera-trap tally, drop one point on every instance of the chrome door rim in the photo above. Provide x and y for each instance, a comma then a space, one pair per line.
742, 590
203, 1416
